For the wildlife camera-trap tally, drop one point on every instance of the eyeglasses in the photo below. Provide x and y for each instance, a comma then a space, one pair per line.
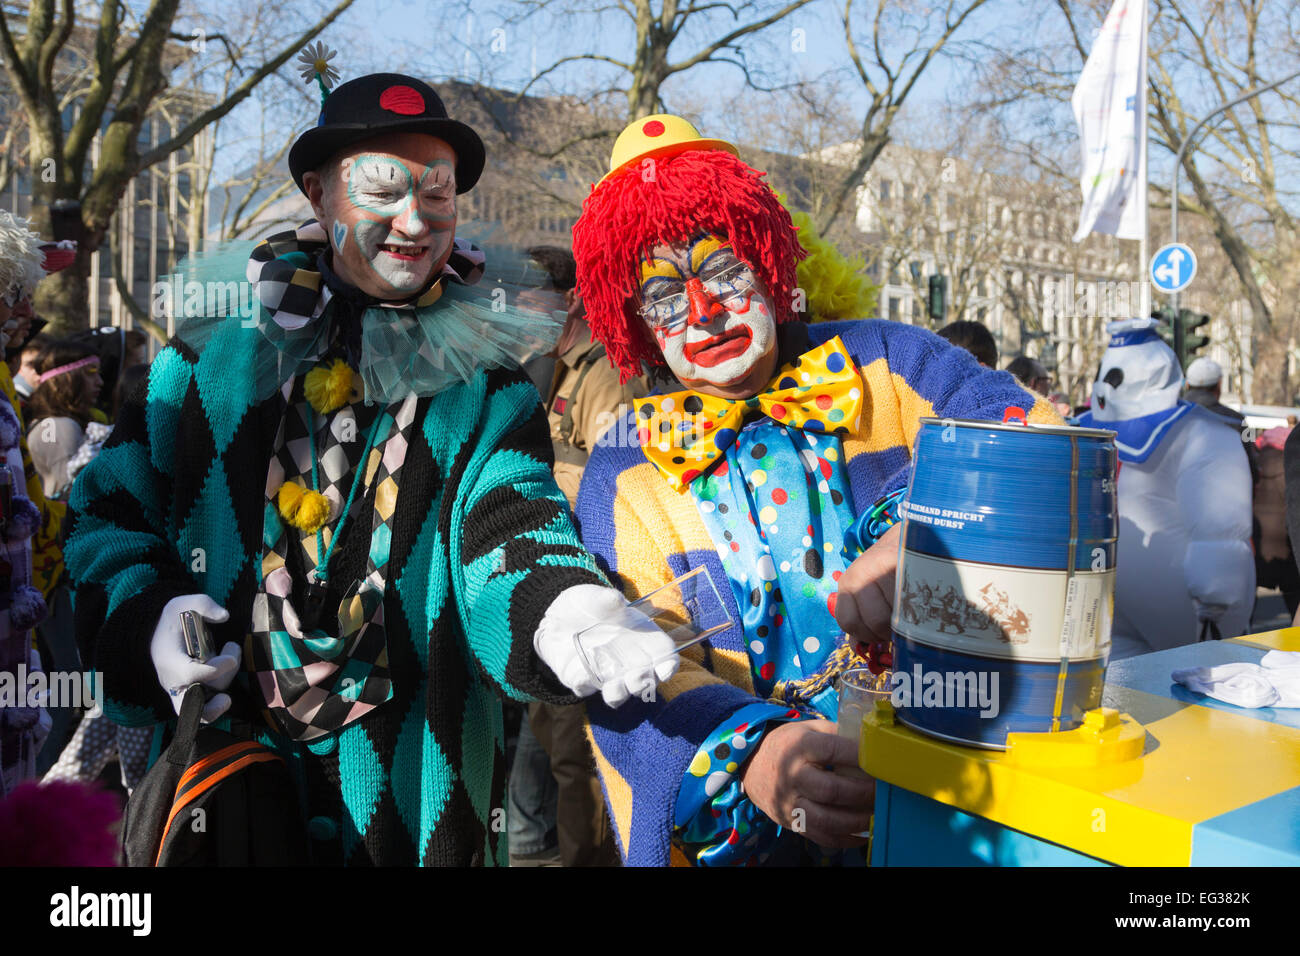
728, 286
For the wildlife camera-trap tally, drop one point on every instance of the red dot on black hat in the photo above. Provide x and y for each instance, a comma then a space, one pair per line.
402, 99
653, 128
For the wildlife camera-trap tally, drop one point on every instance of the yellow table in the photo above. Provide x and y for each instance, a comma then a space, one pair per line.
1214, 784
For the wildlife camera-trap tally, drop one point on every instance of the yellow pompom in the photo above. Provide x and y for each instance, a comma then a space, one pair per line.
328, 388
303, 508
835, 286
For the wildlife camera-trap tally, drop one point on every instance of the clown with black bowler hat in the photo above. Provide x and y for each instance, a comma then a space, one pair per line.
386, 154
350, 484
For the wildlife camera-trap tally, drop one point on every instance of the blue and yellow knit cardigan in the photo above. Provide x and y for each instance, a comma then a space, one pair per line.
482, 544
644, 533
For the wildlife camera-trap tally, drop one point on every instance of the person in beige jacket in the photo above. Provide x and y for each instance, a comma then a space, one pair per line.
583, 400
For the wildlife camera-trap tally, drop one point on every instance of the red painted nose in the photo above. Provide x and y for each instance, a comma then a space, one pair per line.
704, 307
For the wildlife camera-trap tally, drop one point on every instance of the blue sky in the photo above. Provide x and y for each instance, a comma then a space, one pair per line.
434, 37
442, 40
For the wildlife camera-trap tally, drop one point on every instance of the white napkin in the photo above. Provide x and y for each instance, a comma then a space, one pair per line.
1284, 671
1273, 682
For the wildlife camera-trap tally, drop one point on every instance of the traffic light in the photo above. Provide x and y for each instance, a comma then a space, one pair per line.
1179, 331
938, 303
1167, 322
1190, 322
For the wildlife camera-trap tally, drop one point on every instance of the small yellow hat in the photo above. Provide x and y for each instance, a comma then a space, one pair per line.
655, 136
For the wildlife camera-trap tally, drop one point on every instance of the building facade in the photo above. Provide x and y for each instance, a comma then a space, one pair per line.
155, 223
1005, 246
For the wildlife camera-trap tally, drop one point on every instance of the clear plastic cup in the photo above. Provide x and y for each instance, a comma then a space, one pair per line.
859, 689
688, 609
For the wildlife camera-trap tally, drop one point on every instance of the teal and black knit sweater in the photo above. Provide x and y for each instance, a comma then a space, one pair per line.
482, 544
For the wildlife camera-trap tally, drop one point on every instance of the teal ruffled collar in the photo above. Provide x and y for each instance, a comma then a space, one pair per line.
458, 327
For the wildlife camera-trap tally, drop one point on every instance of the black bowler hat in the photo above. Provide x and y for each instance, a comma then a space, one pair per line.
385, 103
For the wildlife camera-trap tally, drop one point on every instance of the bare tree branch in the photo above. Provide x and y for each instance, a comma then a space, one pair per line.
730, 38
241, 93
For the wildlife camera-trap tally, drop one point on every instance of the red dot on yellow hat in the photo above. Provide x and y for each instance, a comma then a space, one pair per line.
653, 128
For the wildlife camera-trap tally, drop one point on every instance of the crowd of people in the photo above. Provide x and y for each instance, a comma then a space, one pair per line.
63, 393
394, 510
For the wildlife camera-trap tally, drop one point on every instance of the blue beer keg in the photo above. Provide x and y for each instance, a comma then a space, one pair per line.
1006, 579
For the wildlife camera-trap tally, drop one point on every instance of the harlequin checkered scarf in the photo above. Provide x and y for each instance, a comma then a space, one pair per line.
440, 338
315, 681
283, 268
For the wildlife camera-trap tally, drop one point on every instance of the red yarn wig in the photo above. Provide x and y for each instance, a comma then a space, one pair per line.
690, 194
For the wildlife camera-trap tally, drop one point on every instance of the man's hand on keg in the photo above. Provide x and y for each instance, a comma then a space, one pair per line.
787, 778
865, 600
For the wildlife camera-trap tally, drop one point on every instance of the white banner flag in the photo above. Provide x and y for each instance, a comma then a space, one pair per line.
1110, 108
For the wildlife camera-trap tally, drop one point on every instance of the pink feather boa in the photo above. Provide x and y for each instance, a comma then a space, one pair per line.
59, 824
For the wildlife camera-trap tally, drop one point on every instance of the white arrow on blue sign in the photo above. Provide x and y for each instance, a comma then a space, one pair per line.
1173, 267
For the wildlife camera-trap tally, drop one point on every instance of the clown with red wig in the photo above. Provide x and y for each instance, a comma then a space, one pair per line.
776, 460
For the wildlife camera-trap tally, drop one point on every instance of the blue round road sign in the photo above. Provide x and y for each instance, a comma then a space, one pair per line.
1173, 267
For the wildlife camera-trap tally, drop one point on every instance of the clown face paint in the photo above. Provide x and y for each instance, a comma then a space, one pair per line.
710, 316
390, 211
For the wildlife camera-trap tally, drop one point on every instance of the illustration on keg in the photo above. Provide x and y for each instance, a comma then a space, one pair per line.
995, 617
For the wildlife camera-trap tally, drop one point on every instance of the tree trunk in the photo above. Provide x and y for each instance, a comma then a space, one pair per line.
61, 299
873, 143
1270, 381
643, 94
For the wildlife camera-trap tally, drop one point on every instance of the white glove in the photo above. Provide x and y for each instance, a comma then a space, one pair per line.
177, 670
624, 646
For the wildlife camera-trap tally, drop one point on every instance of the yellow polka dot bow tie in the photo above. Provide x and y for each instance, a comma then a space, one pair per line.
685, 433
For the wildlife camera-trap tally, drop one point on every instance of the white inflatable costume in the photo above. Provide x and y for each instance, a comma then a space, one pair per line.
1184, 500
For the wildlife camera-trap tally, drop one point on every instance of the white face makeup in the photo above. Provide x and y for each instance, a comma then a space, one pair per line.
708, 313
391, 213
